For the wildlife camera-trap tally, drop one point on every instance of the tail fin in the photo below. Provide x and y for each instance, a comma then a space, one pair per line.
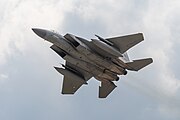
138, 64
126, 57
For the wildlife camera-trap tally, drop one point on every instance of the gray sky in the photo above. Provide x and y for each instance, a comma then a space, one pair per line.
30, 87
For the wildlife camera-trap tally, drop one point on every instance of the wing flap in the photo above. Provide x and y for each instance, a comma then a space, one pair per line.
106, 88
124, 43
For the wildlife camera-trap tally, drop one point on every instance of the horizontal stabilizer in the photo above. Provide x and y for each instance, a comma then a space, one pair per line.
106, 88
138, 64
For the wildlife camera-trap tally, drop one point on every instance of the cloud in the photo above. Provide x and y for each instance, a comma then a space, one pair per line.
163, 84
20, 16
3, 78
164, 47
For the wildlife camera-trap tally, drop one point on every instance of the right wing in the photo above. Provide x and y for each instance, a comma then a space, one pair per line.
106, 88
124, 43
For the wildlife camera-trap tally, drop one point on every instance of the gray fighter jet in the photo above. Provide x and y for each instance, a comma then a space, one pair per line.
103, 59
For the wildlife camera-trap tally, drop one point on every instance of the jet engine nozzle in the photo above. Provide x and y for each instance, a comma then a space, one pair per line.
124, 72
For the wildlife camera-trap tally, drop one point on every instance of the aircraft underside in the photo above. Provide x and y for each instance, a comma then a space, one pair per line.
103, 59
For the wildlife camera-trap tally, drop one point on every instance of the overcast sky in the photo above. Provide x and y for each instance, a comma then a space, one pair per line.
30, 87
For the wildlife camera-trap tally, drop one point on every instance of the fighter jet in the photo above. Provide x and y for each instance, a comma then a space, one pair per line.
103, 59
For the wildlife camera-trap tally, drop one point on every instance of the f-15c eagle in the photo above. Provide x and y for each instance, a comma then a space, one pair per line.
103, 59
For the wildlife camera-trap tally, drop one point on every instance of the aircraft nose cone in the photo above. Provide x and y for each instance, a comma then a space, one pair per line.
40, 32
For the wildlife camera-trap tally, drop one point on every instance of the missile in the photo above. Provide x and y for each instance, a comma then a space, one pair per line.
106, 47
103, 40
67, 72
72, 39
